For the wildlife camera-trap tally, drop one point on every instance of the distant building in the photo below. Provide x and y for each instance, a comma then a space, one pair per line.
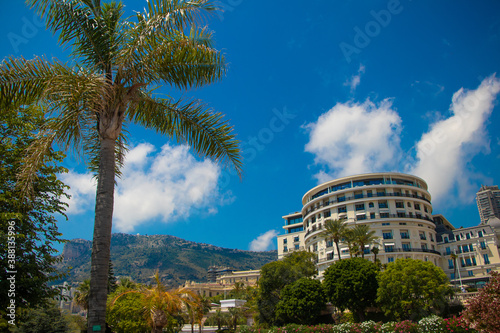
488, 202
225, 282
398, 208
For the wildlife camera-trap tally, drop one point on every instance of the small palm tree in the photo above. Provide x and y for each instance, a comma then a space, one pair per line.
363, 236
160, 304
220, 318
81, 297
375, 251
454, 257
349, 239
335, 229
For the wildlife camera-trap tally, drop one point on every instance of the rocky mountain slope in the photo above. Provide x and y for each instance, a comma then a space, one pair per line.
177, 260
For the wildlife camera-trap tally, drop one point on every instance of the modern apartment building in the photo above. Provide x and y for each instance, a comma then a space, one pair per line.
488, 202
396, 206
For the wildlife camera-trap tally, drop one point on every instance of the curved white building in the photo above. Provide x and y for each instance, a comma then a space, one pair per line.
396, 206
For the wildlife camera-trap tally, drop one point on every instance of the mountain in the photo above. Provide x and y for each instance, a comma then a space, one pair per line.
177, 260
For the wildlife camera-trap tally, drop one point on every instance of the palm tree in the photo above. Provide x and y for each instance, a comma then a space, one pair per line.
161, 304
363, 236
116, 64
454, 257
375, 250
349, 240
81, 297
334, 229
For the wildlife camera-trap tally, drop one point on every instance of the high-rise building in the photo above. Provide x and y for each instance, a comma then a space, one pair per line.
488, 202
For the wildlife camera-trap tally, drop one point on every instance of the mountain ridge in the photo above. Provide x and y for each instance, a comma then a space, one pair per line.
177, 260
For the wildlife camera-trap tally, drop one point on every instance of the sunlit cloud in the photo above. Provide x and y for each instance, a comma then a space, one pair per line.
444, 153
264, 242
354, 81
155, 185
353, 138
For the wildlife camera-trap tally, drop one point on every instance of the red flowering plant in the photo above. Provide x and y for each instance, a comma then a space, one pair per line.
483, 311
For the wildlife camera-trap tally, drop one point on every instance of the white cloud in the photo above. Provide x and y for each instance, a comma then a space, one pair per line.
264, 242
353, 138
443, 153
164, 185
82, 191
355, 80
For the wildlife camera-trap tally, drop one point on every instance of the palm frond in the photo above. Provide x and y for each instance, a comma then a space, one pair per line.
208, 133
79, 24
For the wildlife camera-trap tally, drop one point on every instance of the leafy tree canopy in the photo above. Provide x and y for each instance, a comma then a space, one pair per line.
276, 275
411, 289
483, 311
301, 302
28, 228
351, 284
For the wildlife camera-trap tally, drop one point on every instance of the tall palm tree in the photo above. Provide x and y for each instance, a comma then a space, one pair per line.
334, 229
116, 64
349, 239
375, 251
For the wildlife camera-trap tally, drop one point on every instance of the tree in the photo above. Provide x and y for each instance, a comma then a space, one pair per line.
274, 276
162, 307
42, 319
483, 311
363, 236
28, 230
116, 65
454, 257
81, 297
334, 229
374, 250
220, 318
235, 314
349, 239
301, 302
411, 289
126, 314
351, 284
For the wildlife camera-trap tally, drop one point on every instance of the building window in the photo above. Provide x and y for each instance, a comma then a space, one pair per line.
390, 259
450, 263
406, 246
405, 234
471, 273
468, 262
452, 276
285, 241
329, 243
408, 204
465, 248
467, 235
328, 213
341, 199
297, 246
372, 215
423, 246
383, 204
386, 223
371, 205
285, 249
400, 204
486, 259
422, 235
483, 245
387, 234
342, 209
360, 206
361, 217
296, 239
388, 248
471, 247
448, 251
417, 206
384, 215
479, 234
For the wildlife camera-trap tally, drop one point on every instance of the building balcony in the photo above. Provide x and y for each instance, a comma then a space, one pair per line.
361, 196
395, 249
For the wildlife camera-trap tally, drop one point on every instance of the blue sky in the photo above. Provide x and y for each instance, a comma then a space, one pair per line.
315, 91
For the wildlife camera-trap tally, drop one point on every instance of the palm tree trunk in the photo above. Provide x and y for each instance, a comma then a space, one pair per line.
102, 237
338, 249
